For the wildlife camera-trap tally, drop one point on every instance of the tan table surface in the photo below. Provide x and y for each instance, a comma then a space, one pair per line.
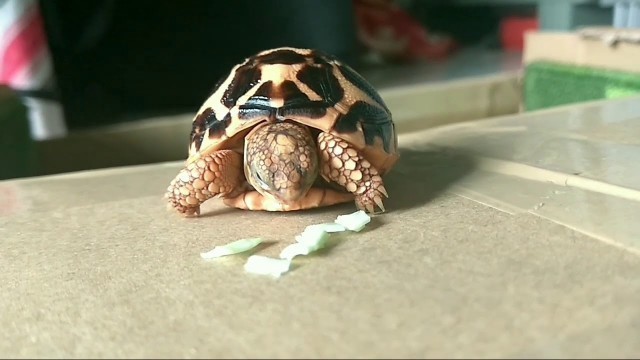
462, 265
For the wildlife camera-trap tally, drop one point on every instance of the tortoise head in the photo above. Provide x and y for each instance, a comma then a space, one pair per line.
281, 160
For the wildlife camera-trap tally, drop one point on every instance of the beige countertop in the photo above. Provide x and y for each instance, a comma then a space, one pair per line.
510, 237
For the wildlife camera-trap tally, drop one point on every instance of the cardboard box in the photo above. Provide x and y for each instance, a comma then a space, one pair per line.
592, 64
593, 47
494, 246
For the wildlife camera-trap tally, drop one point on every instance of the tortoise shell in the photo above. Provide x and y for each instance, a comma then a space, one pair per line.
302, 85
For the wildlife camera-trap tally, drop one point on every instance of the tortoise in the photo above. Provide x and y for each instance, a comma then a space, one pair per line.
278, 120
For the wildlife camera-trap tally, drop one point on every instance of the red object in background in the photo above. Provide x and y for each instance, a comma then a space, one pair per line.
512, 30
385, 28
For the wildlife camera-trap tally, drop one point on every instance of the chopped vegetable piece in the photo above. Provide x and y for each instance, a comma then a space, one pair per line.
355, 221
313, 239
310, 240
262, 265
328, 227
294, 250
235, 247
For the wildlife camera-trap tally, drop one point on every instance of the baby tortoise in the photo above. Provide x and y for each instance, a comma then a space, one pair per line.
277, 121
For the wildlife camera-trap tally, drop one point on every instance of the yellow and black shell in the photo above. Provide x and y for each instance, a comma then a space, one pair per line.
302, 85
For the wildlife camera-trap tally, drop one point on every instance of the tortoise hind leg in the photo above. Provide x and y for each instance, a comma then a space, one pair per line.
344, 165
217, 174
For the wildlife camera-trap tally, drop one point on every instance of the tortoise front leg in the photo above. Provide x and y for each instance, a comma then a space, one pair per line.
344, 165
218, 174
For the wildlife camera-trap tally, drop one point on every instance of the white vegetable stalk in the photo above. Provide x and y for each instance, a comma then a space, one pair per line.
235, 247
328, 227
262, 265
355, 221
313, 238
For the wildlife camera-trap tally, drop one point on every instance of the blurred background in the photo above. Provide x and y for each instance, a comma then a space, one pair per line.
72, 70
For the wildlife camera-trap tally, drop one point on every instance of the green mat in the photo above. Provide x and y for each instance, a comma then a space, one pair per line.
17, 149
548, 84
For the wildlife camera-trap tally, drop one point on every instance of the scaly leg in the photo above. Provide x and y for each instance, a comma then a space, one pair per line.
214, 175
343, 164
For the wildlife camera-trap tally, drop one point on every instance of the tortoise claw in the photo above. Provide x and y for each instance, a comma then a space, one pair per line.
378, 202
369, 208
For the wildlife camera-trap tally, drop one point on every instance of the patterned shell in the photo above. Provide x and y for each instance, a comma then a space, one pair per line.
306, 86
